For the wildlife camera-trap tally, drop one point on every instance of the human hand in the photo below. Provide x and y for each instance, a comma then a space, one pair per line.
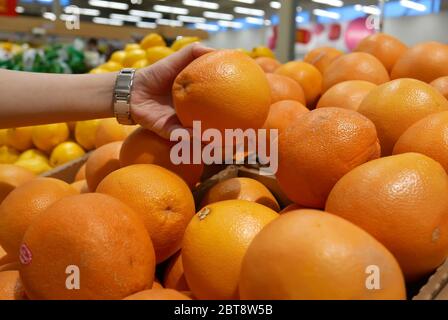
151, 102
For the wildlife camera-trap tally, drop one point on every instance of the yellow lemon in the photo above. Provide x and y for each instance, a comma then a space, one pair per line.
98, 71
152, 40
8, 155
19, 138
262, 52
133, 56
3, 136
85, 132
131, 47
31, 154
48, 136
66, 152
155, 54
246, 52
111, 66
35, 165
118, 56
183, 42
140, 64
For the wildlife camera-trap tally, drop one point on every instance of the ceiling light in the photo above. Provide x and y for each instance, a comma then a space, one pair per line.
146, 25
20, 9
145, 14
275, 4
125, 17
230, 24
83, 11
170, 22
190, 19
413, 5
334, 3
109, 4
327, 14
111, 22
368, 9
245, 1
201, 4
249, 11
206, 26
218, 15
168, 9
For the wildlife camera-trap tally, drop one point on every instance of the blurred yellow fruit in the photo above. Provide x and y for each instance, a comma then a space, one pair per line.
8, 155
31, 154
155, 54
118, 56
131, 47
152, 40
3, 136
140, 64
133, 56
247, 52
85, 132
66, 152
19, 138
36, 165
109, 130
111, 66
98, 71
183, 42
262, 52
48, 136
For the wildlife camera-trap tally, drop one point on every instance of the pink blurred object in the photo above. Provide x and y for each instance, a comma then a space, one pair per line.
356, 31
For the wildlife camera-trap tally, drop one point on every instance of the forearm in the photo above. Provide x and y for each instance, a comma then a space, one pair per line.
37, 98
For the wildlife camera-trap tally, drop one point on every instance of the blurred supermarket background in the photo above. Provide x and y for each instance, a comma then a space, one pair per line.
289, 27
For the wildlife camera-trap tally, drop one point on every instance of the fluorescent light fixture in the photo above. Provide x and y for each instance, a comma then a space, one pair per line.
334, 3
249, 11
145, 14
257, 21
112, 22
413, 5
245, 1
368, 9
109, 4
168, 9
230, 24
170, 22
20, 9
206, 27
201, 4
190, 19
83, 11
49, 15
299, 19
218, 15
275, 5
327, 14
125, 17
146, 25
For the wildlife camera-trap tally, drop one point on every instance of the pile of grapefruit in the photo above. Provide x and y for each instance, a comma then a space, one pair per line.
363, 157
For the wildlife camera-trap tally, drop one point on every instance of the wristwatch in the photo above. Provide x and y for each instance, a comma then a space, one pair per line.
122, 96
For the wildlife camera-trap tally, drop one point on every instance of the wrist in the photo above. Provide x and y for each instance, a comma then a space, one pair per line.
123, 90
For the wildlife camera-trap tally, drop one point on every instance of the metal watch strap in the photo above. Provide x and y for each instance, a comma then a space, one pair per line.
122, 96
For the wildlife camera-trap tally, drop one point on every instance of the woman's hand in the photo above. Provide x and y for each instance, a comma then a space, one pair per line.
151, 102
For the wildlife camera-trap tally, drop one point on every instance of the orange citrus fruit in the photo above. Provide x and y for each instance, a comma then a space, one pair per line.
161, 198
401, 201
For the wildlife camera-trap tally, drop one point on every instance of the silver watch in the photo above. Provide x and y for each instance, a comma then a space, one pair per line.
122, 96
